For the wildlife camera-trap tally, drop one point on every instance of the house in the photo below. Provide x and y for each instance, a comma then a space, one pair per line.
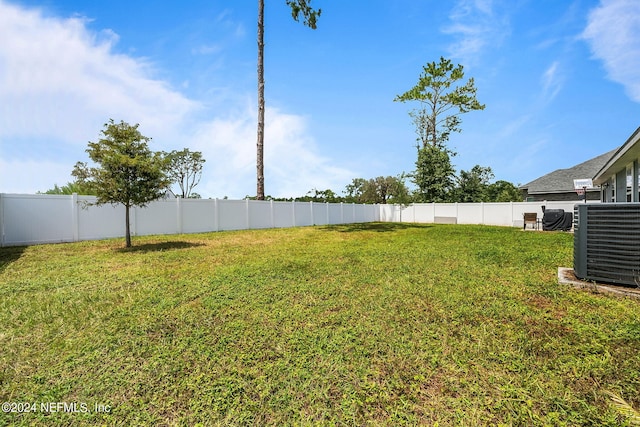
618, 176
558, 185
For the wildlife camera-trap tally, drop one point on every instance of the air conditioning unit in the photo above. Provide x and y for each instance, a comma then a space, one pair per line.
606, 245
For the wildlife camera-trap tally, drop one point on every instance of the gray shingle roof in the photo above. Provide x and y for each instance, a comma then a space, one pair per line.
561, 180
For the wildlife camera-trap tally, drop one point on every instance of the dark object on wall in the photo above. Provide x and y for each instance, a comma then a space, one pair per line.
557, 219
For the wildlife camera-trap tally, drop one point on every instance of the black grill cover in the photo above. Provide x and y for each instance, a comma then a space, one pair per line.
557, 219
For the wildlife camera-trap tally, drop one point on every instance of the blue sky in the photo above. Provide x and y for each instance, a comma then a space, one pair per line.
560, 80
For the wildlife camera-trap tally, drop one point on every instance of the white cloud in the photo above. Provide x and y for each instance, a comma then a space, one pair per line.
292, 164
614, 37
60, 82
477, 26
552, 81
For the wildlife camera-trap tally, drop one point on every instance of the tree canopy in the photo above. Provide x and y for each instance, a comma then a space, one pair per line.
382, 190
440, 104
184, 168
303, 8
71, 188
472, 185
434, 175
126, 171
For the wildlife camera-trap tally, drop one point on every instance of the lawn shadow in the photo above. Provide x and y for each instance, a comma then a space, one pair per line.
160, 246
380, 227
9, 255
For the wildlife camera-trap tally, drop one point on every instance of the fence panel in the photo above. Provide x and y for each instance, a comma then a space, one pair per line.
99, 222
320, 213
232, 215
159, 217
302, 214
198, 215
498, 214
260, 215
38, 218
424, 213
396, 213
445, 210
335, 213
283, 214
371, 213
470, 213
359, 213
346, 213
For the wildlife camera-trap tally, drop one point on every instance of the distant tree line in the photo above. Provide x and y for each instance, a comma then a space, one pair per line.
468, 187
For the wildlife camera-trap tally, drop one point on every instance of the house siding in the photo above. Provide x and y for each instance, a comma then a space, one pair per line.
560, 197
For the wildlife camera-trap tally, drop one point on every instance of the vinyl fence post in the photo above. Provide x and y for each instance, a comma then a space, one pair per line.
248, 221
1, 220
179, 215
273, 220
313, 220
457, 219
216, 216
293, 208
74, 217
341, 213
511, 205
328, 222
433, 208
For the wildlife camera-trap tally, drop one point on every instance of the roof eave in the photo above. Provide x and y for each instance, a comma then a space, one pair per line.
625, 154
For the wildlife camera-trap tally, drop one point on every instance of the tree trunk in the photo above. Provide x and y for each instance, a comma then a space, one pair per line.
260, 144
127, 228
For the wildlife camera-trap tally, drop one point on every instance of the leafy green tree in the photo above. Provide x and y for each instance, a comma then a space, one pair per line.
320, 196
299, 8
354, 191
434, 175
389, 189
380, 190
441, 105
127, 172
71, 188
503, 191
473, 185
184, 168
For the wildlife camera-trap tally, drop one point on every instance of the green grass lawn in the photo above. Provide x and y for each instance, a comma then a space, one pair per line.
370, 324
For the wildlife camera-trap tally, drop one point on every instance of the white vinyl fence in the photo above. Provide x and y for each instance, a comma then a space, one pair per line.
40, 218
506, 214
35, 219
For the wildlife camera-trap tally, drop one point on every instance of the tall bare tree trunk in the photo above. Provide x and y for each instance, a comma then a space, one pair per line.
260, 144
